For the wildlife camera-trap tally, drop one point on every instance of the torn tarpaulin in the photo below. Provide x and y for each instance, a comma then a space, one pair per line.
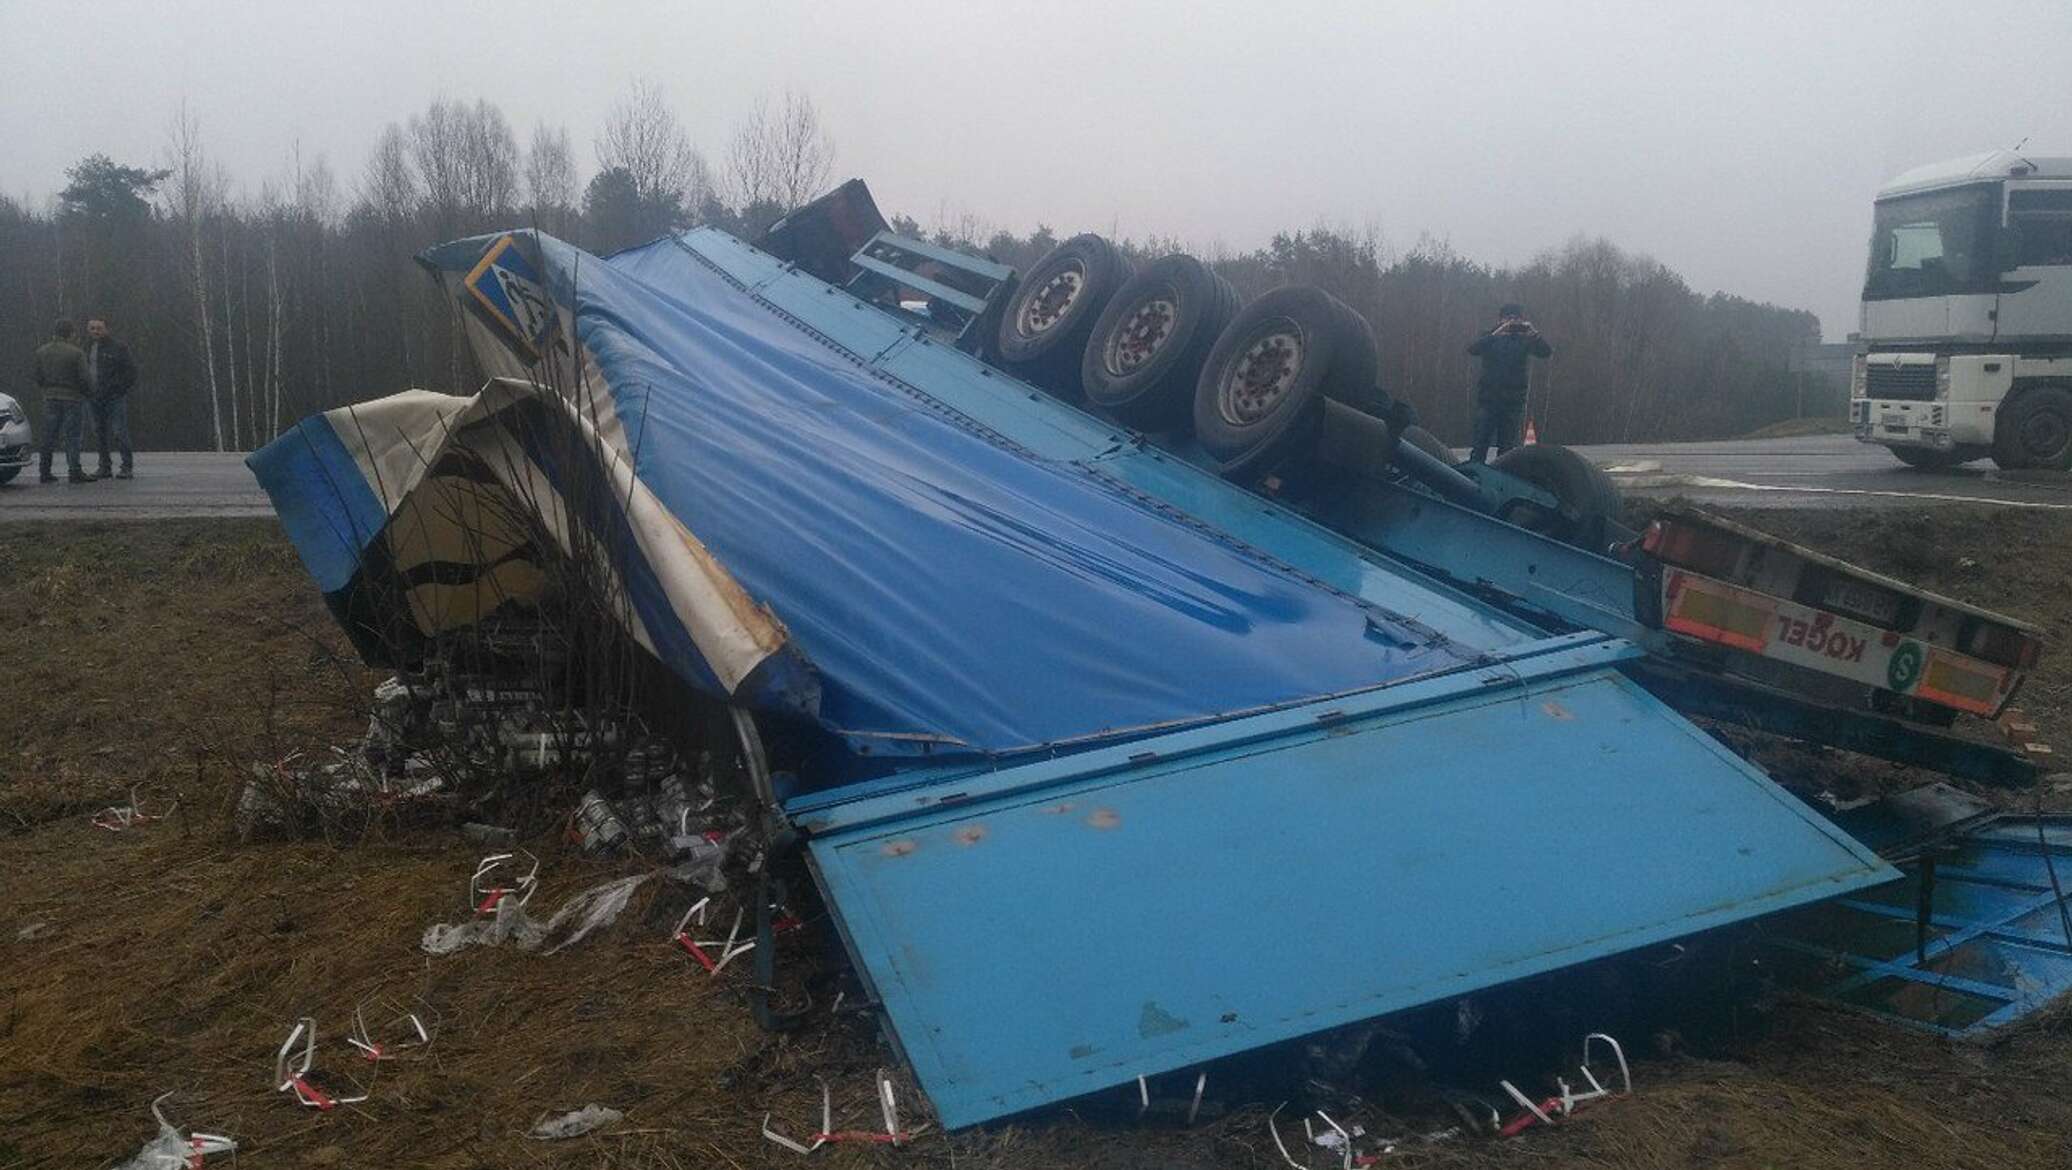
575, 1123
705, 440
508, 922
171, 1151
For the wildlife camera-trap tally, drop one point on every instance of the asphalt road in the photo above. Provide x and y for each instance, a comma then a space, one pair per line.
1820, 471
1817, 471
169, 485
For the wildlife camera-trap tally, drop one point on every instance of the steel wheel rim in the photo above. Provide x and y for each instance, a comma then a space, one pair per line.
1262, 375
1144, 332
1052, 302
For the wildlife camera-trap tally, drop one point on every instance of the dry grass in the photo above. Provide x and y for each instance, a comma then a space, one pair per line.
173, 959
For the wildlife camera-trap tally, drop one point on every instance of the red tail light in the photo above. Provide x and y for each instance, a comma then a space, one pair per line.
1701, 550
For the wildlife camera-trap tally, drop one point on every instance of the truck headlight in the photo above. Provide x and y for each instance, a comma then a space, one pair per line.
1942, 377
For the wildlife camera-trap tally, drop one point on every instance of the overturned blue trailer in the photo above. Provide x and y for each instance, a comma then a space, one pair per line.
1089, 713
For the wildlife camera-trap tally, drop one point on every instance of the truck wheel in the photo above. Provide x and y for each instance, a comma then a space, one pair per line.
1581, 487
1926, 458
2035, 430
7, 474
1147, 350
1044, 327
1261, 391
1363, 396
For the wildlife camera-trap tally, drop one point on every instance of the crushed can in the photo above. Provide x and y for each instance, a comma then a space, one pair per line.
599, 824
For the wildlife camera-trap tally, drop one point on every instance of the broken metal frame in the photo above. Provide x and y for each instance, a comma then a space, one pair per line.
1980, 894
890, 261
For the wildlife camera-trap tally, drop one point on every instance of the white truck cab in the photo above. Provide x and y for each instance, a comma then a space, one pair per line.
1967, 315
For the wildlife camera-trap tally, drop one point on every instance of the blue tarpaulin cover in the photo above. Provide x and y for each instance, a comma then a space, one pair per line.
941, 586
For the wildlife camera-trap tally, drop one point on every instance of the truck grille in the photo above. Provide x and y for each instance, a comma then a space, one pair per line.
1909, 383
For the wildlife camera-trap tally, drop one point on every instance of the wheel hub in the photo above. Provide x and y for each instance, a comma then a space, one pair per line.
2045, 433
1042, 312
1262, 376
1142, 333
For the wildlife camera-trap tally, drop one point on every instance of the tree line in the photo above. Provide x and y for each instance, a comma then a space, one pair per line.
249, 309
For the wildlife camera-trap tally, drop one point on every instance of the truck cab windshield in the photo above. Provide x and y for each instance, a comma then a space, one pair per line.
1934, 244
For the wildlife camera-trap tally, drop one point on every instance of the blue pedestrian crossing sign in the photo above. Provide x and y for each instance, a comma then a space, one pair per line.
507, 286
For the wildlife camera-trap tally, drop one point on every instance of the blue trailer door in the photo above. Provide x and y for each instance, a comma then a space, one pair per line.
1048, 931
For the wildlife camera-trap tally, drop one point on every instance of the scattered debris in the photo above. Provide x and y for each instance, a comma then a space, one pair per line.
1561, 1106
120, 817
445, 735
32, 932
575, 1123
415, 1035
291, 1067
504, 920
888, 1107
1354, 1147
730, 948
488, 834
290, 794
170, 1151
484, 897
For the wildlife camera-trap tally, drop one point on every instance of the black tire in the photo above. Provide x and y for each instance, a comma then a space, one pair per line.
2035, 430
1364, 396
1044, 328
1146, 352
1927, 458
7, 474
1261, 390
1585, 492
1429, 443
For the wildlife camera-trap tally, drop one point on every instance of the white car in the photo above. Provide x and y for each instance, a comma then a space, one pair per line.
14, 438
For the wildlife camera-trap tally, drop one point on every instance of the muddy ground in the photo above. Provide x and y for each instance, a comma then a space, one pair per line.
172, 958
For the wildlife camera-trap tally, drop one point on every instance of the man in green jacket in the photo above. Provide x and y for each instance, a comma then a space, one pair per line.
62, 376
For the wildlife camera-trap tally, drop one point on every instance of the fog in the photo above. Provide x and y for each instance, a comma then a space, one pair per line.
1737, 143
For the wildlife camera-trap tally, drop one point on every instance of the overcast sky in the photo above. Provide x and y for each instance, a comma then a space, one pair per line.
1737, 142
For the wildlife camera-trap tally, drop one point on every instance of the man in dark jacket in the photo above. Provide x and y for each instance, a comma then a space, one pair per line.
1506, 352
112, 374
61, 376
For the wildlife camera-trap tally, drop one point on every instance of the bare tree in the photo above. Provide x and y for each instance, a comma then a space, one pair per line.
643, 137
389, 189
489, 161
437, 147
779, 155
195, 194
550, 176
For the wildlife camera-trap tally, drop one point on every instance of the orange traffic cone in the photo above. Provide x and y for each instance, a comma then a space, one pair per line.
1531, 436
